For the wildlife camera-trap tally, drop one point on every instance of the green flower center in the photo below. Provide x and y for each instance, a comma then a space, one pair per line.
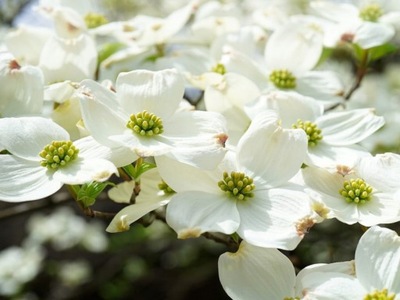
313, 132
163, 186
94, 20
58, 154
219, 68
356, 191
237, 185
283, 79
291, 298
371, 12
380, 295
145, 124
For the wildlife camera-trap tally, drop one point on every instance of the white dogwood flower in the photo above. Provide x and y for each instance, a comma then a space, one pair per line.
332, 137
249, 193
365, 193
143, 116
41, 158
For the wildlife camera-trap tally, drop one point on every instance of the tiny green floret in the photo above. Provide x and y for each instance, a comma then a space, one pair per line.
219, 68
311, 129
356, 191
291, 298
94, 20
371, 12
163, 186
380, 295
237, 185
145, 124
58, 154
283, 79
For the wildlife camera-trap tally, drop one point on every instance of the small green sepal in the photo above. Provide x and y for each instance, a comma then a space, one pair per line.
88, 192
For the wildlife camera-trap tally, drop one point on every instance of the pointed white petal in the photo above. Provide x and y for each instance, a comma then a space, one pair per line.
197, 137
183, 177
98, 103
27, 136
122, 192
61, 59
256, 273
329, 156
371, 34
290, 107
82, 171
90, 148
157, 92
22, 180
334, 11
331, 285
192, 213
274, 218
295, 47
381, 171
270, 152
378, 259
349, 127
22, 89
132, 213
381, 209
324, 86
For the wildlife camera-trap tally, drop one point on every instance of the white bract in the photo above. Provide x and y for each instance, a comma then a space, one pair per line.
366, 193
21, 88
377, 262
42, 158
263, 273
154, 193
249, 193
143, 116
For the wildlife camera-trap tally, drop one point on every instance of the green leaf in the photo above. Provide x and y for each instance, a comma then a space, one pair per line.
107, 50
381, 51
139, 169
88, 192
144, 167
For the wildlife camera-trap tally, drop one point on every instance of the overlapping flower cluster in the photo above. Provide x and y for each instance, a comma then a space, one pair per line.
274, 150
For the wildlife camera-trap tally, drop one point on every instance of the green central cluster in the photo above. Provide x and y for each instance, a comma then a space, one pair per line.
93, 20
371, 12
380, 295
356, 191
291, 298
311, 129
219, 68
145, 124
58, 154
283, 79
237, 185
163, 186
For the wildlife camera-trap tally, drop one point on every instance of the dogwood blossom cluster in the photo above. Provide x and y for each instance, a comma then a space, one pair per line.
274, 146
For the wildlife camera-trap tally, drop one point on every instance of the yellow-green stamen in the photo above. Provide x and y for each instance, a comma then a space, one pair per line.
58, 154
371, 12
283, 79
311, 129
94, 20
219, 68
145, 124
163, 186
380, 295
237, 185
356, 191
